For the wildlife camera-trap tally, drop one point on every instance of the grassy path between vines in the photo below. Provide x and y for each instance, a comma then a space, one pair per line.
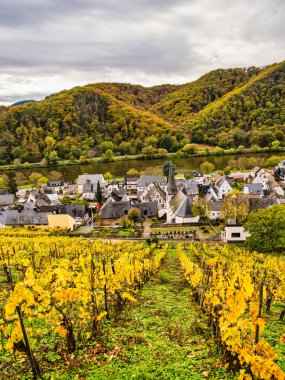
162, 336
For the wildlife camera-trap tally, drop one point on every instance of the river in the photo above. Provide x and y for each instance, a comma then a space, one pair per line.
119, 168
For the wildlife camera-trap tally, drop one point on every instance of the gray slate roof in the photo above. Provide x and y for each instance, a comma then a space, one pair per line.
57, 183
115, 210
7, 199
224, 178
156, 188
16, 218
148, 179
89, 187
254, 188
3, 217
181, 205
215, 205
93, 178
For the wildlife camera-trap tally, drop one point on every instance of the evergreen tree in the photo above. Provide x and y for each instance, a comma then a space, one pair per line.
99, 195
12, 187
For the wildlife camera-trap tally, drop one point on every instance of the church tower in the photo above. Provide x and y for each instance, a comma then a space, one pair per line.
171, 185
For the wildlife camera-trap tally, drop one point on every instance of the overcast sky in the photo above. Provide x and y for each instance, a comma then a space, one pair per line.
50, 45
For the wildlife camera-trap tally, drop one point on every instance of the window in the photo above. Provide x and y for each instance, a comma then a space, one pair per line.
235, 234
145, 212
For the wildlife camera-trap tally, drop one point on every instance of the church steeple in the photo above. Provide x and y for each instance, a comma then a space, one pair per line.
171, 186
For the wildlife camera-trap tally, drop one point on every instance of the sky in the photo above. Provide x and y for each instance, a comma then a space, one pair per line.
51, 45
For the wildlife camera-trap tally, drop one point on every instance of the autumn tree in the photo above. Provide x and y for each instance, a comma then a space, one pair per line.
34, 177
4, 181
234, 207
108, 176
132, 171
207, 167
54, 175
201, 208
20, 179
134, 214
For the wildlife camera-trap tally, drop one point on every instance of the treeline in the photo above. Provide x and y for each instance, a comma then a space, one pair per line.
232, 108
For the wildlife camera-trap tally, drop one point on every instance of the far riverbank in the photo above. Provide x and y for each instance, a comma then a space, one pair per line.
119, 168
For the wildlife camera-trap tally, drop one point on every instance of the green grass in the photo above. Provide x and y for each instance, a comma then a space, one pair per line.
273, 330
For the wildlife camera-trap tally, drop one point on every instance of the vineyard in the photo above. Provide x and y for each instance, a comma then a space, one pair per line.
231, 286
67, 300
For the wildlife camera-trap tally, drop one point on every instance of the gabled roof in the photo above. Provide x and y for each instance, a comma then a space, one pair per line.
3, 217
117, 195
26, 217
7, 199
131, 177
254, 188
148, 179
221, 181
76, 210
155, 188
181, 205
89, 187
213, 189
255, 169
115, 210
215, 205
92, 178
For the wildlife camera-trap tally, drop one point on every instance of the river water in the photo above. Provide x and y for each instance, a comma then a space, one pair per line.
119, 168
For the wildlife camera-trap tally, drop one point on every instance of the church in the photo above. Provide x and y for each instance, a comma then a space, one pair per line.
178, 202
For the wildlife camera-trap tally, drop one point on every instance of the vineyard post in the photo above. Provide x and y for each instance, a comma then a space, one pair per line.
93, 299
105, 289
120, 299
32, 359
33, 362
261, 284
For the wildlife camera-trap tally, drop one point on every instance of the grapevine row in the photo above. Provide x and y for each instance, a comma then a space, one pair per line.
69, 285
230, 286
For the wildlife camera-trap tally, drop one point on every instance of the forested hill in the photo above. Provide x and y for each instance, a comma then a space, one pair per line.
228, 108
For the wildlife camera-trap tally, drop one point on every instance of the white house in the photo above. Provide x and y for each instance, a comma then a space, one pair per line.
56, 186
212, 193
154, 193
224, 186
90, 179
214, 212
131, 183
198, 176
264, 178
146, 180
231, 234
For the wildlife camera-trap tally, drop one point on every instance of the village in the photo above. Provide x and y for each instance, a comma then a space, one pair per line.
205, 207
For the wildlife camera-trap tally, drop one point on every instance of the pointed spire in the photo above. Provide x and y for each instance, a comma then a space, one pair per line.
171, 185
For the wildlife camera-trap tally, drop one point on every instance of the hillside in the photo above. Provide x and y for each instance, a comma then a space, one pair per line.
251, 114
228, 108
194, 96
74, 123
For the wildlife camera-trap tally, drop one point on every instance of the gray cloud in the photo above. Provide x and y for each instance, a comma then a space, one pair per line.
49, 45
